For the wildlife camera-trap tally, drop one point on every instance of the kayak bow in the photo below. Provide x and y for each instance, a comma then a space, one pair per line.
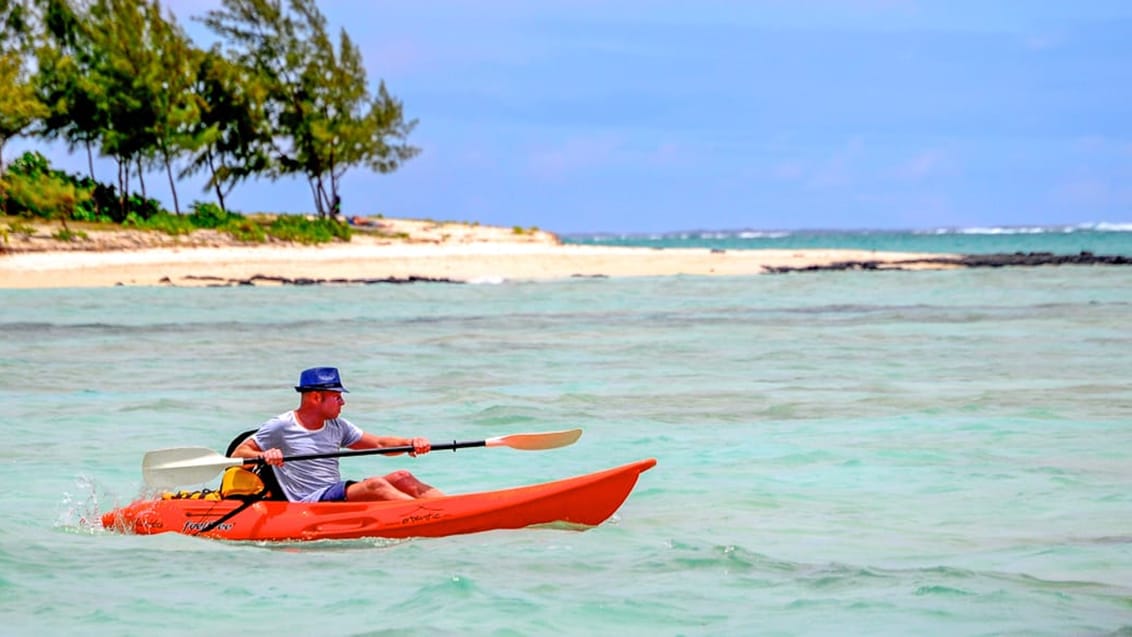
583, 501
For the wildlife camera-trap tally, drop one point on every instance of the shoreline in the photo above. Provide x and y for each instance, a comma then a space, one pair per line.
365, 260
411, 251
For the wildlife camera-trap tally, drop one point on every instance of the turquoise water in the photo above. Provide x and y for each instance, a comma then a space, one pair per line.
1100, 239
883, 453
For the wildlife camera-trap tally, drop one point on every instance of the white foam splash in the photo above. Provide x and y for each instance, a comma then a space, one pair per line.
80, 511
486, 280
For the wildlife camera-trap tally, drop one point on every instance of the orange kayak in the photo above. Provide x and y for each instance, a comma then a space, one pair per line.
586, 500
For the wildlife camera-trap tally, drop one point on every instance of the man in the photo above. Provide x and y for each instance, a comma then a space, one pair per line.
315, 427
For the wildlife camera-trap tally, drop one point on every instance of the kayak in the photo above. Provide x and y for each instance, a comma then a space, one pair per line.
577, 502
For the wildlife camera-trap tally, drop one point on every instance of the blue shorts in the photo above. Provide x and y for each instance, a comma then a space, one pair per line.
336, 493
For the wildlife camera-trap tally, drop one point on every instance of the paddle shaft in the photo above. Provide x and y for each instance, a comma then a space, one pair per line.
183, 465
444, 446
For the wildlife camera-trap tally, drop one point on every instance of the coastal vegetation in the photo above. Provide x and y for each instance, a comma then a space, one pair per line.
273, 97
33, 190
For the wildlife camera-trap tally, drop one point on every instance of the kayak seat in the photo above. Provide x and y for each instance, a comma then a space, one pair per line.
264, 471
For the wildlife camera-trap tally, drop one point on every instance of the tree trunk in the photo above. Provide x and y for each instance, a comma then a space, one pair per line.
325, 200
141, 178
172, 185
90, 160
90, 167
3, 194
336, 198
123, 184
215, 181
317, 199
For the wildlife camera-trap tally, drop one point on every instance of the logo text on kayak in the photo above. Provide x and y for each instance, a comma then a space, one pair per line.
416, 518
200, 526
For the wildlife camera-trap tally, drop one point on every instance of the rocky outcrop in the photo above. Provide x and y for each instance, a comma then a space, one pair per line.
1017, 259
263, 279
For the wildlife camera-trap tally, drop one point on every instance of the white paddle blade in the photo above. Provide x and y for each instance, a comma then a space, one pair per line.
536, 442
164, 468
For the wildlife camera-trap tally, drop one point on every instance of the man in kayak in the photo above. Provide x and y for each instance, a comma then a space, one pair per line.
315, 427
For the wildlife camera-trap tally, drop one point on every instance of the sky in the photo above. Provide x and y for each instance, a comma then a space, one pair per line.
666, 115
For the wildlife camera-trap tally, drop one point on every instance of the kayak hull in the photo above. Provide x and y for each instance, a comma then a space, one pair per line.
582, 501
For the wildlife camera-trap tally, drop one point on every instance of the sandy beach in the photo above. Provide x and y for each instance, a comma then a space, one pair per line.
397, 249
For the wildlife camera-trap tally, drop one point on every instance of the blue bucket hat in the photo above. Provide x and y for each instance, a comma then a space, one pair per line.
320, 379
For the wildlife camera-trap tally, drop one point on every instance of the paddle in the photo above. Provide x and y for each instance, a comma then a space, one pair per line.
191, 465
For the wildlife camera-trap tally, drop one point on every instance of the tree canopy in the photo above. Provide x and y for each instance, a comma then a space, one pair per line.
276, 97
19, 104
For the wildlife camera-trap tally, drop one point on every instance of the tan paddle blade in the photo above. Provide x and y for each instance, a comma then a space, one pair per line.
165, 468
536, 442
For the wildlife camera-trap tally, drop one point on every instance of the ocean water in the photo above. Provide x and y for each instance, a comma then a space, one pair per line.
1099, 238
839, 453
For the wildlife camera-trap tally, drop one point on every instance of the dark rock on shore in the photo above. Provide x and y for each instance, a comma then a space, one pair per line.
1017, 259
280, 280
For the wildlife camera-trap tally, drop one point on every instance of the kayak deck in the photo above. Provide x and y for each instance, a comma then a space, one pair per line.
579, 501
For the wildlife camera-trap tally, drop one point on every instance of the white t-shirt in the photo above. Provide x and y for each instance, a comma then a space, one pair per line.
306, 480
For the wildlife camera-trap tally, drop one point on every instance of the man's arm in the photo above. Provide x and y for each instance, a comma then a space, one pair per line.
373, 441
250, 449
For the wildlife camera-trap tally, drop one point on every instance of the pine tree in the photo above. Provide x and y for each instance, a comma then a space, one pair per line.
318, 100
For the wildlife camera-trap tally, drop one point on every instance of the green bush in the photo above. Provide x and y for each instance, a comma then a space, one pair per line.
41, 196
21, 228
299, 229
56, 194
243, 229
209, 215
31, 188
146, 208
65, 234
167, 223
